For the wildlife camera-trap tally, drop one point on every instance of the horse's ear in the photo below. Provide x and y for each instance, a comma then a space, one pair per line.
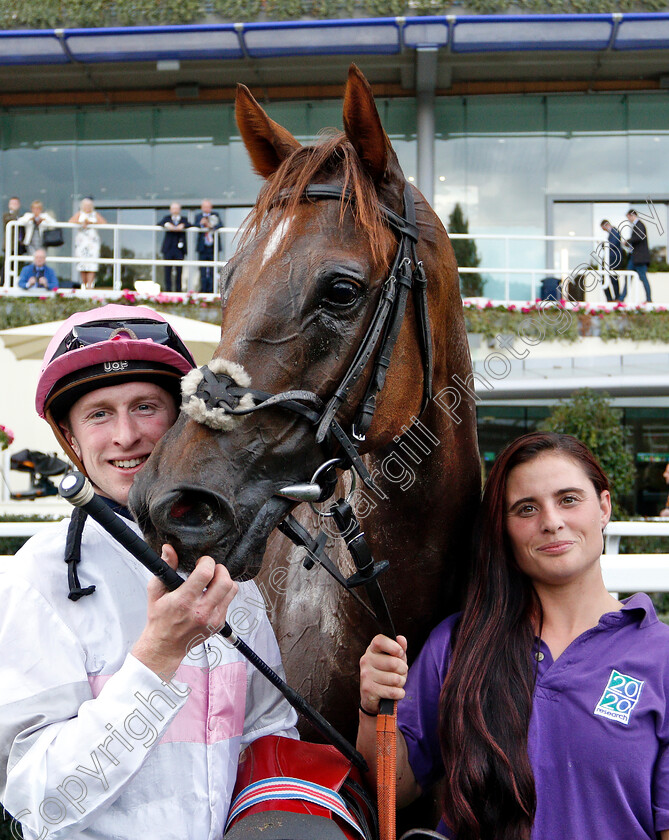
267, 142
363, 128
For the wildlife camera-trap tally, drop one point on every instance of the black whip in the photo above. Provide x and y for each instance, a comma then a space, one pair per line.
78, 490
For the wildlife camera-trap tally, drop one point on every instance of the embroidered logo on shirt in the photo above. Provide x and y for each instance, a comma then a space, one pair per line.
620, 697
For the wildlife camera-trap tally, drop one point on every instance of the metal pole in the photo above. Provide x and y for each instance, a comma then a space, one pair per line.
426, 80
116, 275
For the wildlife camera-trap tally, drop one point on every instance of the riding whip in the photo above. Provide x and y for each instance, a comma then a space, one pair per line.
78, 490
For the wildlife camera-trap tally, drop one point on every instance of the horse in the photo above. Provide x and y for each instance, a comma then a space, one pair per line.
323, 251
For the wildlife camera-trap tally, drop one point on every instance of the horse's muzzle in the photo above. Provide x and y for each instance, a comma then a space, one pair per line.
194, 521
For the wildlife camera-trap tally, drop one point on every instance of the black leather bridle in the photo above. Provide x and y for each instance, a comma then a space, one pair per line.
406, 275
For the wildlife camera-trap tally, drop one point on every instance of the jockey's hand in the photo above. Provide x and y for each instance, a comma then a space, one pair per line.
178, 621
383, 672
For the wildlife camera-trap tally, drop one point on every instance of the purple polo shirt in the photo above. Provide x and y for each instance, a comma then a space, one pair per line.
599, 730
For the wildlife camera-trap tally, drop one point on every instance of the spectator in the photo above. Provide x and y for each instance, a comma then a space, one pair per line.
640, 254
13, 212
34, 224
551, 288
665, 476
174, 244
38, 275
87, 241
615, 260
210, 221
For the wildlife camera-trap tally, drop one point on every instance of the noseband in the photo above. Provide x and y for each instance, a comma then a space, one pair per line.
216, 393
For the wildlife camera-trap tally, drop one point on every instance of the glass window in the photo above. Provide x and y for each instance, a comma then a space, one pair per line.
649, 440
499, 157
587, 144
121, 172
498, 426
46, 174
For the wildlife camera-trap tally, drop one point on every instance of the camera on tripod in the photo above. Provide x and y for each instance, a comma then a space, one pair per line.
40, 466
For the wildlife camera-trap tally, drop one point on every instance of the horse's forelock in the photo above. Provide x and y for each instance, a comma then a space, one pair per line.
332, 159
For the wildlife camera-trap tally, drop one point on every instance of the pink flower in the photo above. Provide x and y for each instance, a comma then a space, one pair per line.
6, 437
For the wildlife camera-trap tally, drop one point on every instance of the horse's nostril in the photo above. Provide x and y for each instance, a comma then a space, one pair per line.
194, 509
180, 509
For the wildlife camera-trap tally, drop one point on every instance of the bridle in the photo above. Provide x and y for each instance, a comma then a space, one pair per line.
219, 390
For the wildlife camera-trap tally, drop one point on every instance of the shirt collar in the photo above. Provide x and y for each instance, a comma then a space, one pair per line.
117, 508
643, 606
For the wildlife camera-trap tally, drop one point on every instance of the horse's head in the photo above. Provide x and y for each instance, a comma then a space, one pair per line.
301, 293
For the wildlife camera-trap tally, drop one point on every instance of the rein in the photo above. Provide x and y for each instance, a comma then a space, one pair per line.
212, 391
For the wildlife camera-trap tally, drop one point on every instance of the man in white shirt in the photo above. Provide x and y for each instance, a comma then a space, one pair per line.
121, 715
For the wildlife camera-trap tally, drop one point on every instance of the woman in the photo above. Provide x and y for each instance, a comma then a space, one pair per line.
547, 697
34, 223
87, 241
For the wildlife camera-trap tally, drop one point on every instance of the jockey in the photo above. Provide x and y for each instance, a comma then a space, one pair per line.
121, 715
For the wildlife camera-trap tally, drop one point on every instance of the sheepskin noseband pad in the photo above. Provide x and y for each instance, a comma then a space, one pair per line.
207, 398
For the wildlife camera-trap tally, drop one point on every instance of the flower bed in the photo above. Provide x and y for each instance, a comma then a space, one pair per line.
577, 321
485, 319
22, 311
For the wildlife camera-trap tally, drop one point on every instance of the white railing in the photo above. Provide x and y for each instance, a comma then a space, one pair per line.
635, 572
22, 529
13, 261
563, 272
622, 572
656, 527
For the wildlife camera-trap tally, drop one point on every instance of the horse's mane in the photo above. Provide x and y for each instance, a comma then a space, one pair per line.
333, 159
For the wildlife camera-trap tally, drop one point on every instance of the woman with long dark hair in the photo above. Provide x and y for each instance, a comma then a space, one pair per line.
544, 704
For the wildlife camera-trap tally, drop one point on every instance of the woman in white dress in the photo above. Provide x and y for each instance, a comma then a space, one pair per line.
87, 241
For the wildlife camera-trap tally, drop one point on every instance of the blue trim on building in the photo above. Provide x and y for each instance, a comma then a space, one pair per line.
364, 36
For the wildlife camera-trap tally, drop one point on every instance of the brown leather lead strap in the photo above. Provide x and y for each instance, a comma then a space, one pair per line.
386, 773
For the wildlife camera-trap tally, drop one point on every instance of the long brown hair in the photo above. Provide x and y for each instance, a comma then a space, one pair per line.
486, 699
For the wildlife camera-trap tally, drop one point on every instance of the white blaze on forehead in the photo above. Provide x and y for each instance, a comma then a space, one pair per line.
275, 239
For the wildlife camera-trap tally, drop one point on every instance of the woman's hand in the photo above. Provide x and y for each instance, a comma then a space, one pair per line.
383, 672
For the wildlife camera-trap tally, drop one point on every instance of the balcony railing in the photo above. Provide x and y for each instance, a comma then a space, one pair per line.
598, 278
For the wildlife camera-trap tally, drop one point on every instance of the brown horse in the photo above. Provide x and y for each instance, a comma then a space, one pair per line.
302, 291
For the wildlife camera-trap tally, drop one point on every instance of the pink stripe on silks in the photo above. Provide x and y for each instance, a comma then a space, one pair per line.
214, 709
225, 706
97, 682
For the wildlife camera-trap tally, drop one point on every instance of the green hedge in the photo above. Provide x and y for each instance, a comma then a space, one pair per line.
488, 321
609, 324
48, 14
10, 545
22, 311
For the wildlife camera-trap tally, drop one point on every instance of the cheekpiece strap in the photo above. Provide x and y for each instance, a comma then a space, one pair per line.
73, 555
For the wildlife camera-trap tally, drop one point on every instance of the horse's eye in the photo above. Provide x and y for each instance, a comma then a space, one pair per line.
342, 293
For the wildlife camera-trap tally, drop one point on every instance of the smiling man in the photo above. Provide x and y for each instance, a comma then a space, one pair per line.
121, 715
